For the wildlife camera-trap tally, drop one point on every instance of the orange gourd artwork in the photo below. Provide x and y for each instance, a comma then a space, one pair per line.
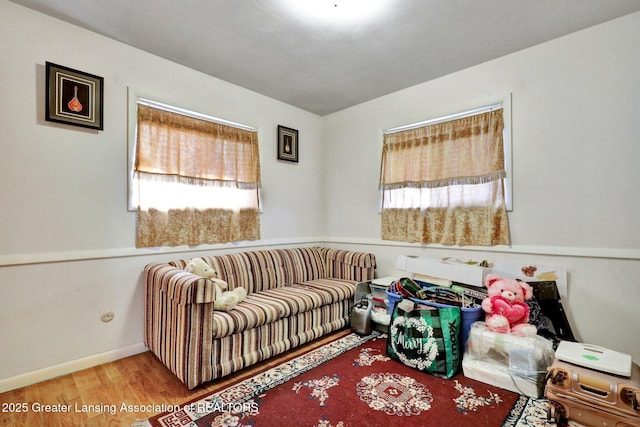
75, 105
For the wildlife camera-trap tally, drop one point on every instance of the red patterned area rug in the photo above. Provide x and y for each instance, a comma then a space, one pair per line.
351, 382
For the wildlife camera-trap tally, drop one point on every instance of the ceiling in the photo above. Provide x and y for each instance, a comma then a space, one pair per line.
321, 61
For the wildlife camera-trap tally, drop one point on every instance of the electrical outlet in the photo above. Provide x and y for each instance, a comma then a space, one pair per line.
107, 316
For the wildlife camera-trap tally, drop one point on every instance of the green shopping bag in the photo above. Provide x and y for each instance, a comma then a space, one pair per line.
425, 338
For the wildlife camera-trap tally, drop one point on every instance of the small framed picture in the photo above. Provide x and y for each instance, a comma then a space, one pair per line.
73, 97
287, 144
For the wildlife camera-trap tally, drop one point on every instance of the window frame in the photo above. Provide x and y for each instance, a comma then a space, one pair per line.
505, 104
135, 97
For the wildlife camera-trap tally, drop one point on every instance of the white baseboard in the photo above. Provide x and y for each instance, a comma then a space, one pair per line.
69, 367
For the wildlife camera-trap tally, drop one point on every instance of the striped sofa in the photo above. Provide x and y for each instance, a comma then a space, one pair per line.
293, 296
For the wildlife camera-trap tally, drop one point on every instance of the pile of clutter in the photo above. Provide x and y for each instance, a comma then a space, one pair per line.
456, 295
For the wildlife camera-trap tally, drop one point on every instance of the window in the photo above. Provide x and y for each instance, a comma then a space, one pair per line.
193, 179
443, 181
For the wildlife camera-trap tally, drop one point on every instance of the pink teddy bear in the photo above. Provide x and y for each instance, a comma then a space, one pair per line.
506, 311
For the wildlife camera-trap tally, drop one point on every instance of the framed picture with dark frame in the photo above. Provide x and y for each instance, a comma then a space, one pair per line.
73, 97
287, 144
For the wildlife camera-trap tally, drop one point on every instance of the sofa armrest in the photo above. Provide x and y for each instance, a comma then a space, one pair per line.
180, 286
350, 265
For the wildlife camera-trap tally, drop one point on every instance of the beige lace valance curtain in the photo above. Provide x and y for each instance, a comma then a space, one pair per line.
195, 151
443, 183
197, 181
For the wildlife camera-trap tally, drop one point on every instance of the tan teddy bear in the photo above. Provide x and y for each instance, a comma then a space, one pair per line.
225, 300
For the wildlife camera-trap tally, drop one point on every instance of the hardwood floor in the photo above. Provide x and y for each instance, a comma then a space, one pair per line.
95, 396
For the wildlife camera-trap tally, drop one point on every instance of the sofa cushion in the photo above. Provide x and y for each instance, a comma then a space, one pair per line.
332, 290
301, 264
273, 304
268, 269
253, 270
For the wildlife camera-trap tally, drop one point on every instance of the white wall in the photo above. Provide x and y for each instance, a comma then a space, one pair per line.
66, 238
67, 241
576, 145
